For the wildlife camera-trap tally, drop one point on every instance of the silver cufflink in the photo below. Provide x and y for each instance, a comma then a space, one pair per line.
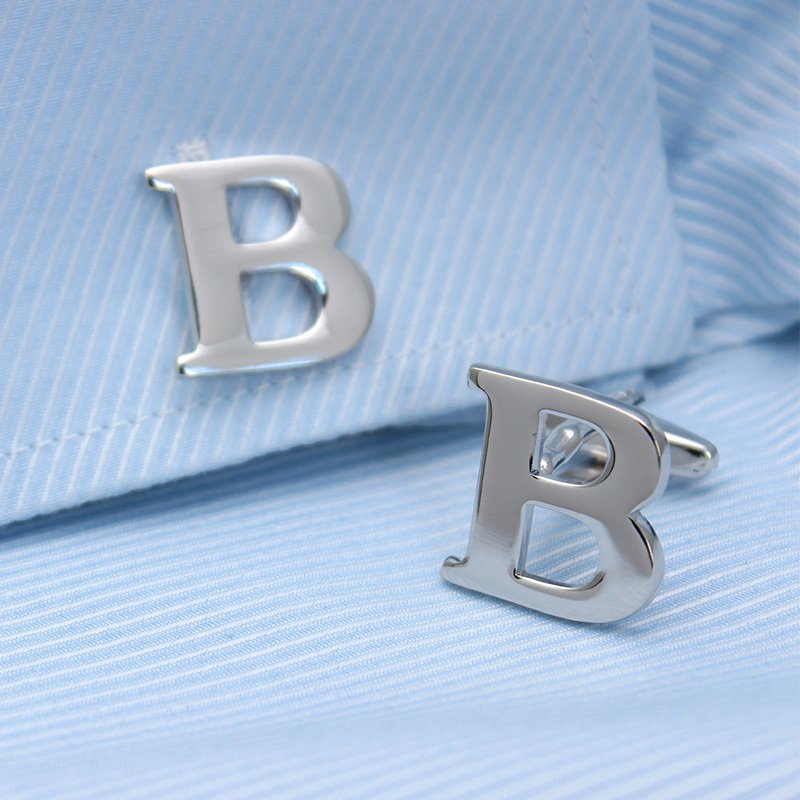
342, 289
594, 458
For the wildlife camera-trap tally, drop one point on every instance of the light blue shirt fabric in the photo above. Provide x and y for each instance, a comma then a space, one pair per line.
573, 189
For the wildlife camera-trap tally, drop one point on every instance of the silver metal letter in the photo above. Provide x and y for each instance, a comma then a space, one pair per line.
515, 474
216, 262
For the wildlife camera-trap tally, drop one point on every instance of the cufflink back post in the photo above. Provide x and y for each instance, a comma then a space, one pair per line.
597, 459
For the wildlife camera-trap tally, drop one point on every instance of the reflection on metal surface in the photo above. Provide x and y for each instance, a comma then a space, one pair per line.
597, 459
216, 262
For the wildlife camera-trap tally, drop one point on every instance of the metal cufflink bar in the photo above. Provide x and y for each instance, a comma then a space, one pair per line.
597, 459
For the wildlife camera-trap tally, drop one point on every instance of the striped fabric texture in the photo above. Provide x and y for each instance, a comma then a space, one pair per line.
229, 587
280, 630
728, 90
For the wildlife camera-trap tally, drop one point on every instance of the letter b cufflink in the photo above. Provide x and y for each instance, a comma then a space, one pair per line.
594, 458
342, 289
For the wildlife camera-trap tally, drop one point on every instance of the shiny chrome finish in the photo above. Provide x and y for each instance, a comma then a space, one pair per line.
216, 261
597, 459
691, 456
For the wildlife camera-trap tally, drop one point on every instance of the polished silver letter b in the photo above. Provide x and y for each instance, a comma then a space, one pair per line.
514, 477
307, 250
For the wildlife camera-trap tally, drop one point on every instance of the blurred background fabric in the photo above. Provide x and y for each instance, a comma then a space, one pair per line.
229, 587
